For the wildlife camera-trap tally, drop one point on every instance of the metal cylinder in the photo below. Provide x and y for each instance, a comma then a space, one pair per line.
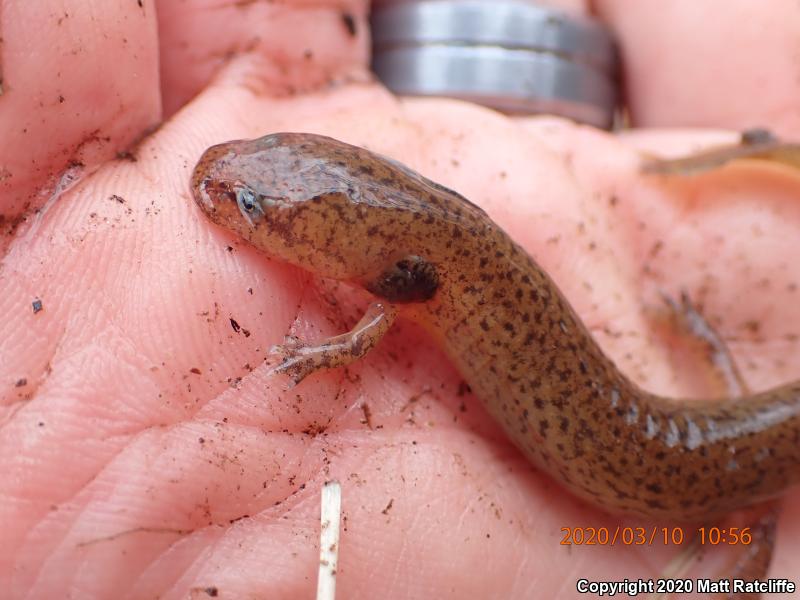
511, 55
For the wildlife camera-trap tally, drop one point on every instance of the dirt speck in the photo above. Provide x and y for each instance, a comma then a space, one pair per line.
350, 24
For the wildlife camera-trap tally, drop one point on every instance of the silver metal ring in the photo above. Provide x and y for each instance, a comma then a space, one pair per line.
511, 55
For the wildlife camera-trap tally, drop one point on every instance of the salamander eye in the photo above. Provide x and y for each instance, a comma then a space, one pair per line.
246, 199
248, 203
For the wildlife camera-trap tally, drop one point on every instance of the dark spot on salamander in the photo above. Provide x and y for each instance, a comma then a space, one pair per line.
544, 424
655, 488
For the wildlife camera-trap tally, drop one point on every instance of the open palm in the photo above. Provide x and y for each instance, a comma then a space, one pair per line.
144, 451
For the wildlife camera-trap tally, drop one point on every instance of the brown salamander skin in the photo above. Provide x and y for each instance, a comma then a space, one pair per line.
343, 212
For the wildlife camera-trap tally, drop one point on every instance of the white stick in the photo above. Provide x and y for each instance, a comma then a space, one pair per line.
330, 514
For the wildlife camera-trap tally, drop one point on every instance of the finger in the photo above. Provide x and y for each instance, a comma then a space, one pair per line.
708, 65
80, 83
306, 43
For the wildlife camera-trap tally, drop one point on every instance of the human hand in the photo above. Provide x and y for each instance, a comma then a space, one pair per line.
147, 450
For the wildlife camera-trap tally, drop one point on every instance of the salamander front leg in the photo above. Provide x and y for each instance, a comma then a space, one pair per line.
299, 359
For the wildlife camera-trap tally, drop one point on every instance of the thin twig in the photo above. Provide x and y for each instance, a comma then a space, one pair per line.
330, 514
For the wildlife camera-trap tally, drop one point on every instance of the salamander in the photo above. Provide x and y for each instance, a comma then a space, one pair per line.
427, 253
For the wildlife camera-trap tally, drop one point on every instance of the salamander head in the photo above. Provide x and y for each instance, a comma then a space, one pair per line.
289, 196
329, 207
